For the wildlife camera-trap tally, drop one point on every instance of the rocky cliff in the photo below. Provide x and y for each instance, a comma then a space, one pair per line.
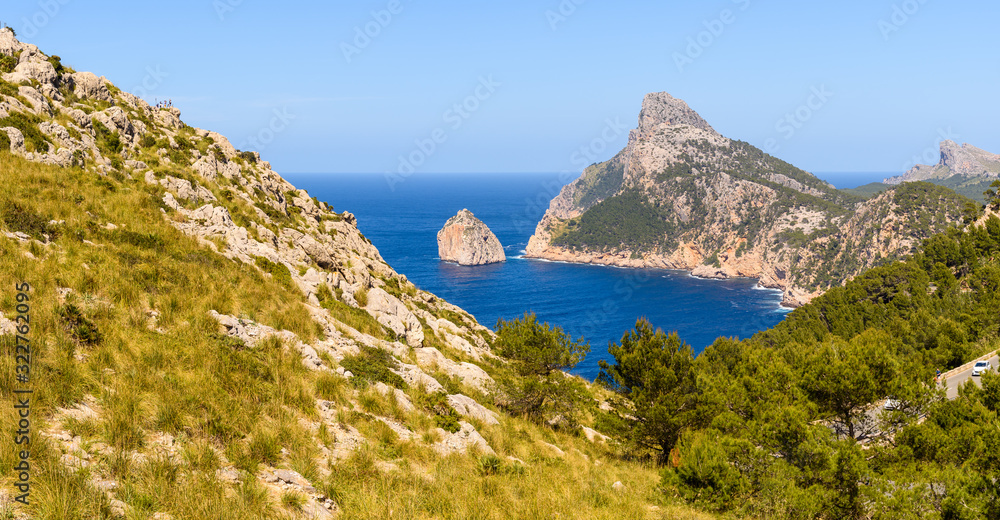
468, 241
682, 196
156, 205
956, 161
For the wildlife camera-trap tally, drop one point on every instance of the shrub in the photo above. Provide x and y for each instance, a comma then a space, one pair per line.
373, 365
183, 143
81, 328
141, 240
79, 160
538, 387
147, 141
107, 141
279, 271
56, 62
445, 416
362, 297
7, 64
24, 219
28, 125
248, 157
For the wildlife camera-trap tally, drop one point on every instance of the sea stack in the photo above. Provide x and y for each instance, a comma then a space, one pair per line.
468, 241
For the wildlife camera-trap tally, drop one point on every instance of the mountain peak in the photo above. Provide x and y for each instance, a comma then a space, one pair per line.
964, 160
659, 108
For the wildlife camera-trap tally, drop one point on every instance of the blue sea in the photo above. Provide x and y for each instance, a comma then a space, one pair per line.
599, 303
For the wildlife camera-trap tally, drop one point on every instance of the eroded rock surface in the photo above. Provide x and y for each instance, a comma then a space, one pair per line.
468, 241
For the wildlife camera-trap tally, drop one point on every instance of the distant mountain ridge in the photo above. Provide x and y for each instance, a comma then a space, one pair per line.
965, 160
682, 196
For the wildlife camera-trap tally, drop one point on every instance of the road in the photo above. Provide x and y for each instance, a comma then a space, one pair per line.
953, 381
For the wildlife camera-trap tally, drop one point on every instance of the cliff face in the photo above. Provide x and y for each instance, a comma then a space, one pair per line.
682, 196
231, 209
956, 161
468, 241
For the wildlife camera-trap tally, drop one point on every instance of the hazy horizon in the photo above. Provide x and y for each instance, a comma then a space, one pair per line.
520, 86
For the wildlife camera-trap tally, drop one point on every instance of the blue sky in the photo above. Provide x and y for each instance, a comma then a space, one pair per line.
538, 82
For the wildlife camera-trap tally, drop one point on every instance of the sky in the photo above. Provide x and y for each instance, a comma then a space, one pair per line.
400, 86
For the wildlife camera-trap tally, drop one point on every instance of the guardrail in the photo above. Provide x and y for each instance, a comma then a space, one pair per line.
963, 368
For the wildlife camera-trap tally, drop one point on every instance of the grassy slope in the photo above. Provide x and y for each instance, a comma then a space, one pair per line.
228, 406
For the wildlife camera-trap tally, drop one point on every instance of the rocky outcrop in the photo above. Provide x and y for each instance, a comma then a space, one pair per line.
965, 160
468, 241
682, 196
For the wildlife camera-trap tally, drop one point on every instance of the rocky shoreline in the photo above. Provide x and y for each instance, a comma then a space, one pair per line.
767, 278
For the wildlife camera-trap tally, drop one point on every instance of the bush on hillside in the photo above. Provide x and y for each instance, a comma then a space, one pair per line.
537, 387
373, 365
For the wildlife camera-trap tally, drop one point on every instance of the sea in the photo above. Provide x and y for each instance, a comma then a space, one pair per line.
401, 216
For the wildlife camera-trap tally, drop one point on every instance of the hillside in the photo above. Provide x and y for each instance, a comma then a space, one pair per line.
682, 196
209, 342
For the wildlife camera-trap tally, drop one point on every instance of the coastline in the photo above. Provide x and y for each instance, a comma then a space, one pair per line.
792, 297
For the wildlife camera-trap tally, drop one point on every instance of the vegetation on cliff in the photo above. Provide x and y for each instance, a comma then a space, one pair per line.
788, 424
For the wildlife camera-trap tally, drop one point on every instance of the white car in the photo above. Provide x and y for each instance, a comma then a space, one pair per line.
891, 404
981, 366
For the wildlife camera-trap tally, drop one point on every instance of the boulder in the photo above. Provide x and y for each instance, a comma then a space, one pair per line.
88, 86
461, 441
468, 241
16, 140
41, 71
468, 407
392, 313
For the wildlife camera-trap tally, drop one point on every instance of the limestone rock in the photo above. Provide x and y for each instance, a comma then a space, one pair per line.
392, 313
721, 225
462, 440
87, 85
16, 139
965, 160
468, 407
470, 374
466, 240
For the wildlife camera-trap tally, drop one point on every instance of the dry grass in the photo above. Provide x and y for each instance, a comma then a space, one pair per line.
223, 403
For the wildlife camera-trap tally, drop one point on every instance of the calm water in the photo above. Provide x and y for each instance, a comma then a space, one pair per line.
599, 303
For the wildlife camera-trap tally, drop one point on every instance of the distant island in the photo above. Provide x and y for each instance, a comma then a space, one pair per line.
682, 196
